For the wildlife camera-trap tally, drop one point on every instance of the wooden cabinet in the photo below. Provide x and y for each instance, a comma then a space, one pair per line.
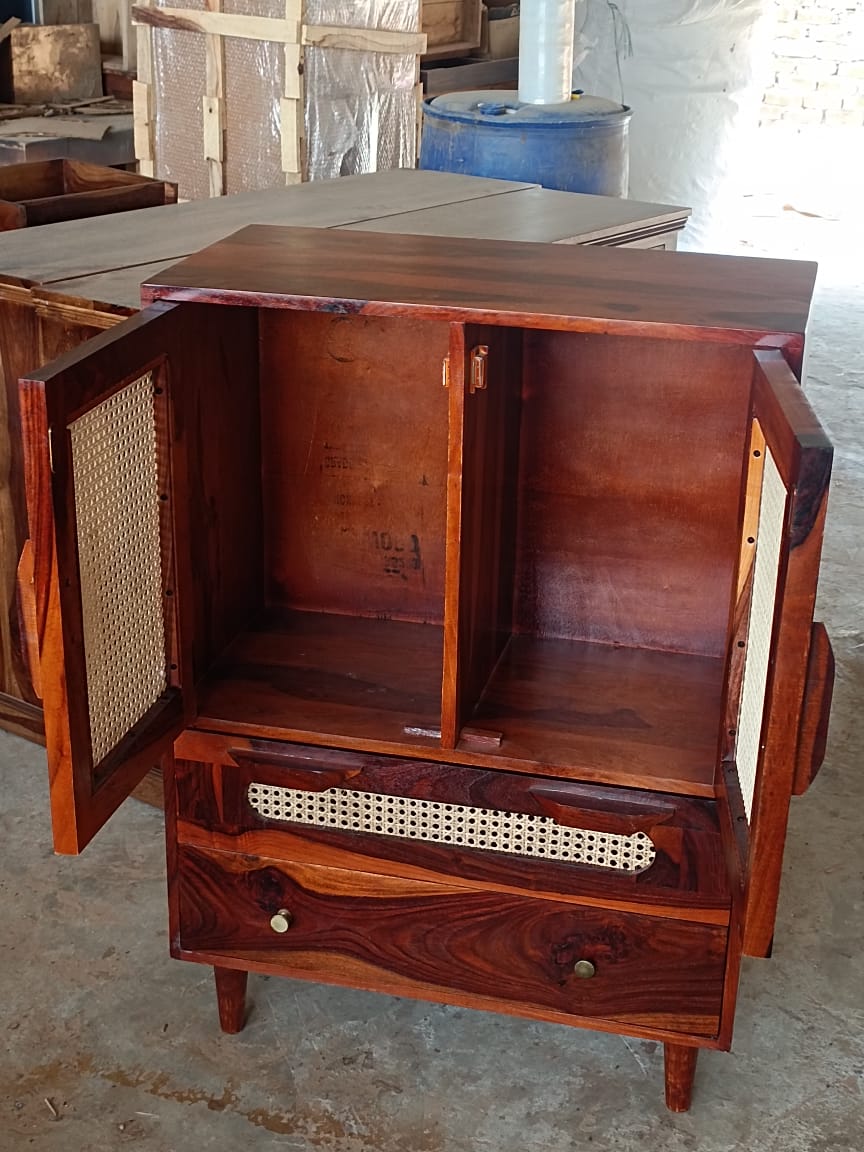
466, 591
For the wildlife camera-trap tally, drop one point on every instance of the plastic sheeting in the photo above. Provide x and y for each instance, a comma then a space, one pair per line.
360, 108
693, 83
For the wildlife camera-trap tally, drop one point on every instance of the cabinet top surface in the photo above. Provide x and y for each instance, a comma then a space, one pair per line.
534, 285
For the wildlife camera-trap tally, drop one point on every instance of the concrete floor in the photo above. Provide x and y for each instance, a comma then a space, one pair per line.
107, 1043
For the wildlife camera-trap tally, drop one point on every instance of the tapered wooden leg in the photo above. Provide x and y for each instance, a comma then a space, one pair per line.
680, 1062
231, 995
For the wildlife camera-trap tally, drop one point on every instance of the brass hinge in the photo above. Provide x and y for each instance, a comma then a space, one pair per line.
445, 372
50, 451
479, 357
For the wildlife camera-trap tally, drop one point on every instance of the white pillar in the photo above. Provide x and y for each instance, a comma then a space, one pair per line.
545, 51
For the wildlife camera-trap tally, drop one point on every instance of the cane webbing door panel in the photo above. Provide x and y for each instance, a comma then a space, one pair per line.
788, 469
100, 512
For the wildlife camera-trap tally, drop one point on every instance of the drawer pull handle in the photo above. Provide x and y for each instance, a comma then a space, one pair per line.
584, 969
282, 921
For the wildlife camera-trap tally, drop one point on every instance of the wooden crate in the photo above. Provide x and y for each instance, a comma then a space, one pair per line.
49, 191
452, 27
291, 35
51, 63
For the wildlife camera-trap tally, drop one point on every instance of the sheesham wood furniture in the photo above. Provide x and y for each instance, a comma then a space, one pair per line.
50, 191
61, 285
466, 596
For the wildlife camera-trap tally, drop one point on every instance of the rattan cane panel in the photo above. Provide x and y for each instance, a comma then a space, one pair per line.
114, 464
772, 515
455, 824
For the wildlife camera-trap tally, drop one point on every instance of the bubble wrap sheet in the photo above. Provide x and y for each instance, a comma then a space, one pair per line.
360, 107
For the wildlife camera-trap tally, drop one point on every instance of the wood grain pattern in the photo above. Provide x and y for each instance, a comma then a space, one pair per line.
803, 455
231, 998
650, 973
328, 675
354, 449
629, 481
580, 711
197, 342
693, 297
83, 794
687, 878
680, 1069
483, 538
49, 191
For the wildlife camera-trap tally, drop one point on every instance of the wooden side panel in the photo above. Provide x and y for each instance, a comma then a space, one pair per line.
437, 942
803, 456
18, 335
491, 379
630, 473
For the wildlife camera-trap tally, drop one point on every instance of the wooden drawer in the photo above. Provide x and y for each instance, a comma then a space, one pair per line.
433, 940
225, 803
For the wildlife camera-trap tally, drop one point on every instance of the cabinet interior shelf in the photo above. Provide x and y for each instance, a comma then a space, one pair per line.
594, 711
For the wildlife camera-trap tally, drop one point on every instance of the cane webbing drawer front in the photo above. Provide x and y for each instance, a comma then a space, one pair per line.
116, 477
431, 940
452, 820
454, 824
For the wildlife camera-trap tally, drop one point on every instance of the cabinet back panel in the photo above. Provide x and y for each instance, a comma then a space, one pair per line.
631, 458
354, 449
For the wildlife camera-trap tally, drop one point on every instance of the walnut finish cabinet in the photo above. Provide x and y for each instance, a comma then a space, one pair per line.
465, 592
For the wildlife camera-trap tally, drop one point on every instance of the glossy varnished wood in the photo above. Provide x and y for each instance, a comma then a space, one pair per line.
803, 455
583, 711
231, 998
195, 346
485, 423
687, 879
525, 591
426, 940
692, 297
338, 676
629, 481
680, 1069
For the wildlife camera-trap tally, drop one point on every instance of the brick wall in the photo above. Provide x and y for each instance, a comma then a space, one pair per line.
818, 64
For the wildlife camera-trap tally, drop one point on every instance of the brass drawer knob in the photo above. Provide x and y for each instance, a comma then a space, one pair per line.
584, 969
282, 921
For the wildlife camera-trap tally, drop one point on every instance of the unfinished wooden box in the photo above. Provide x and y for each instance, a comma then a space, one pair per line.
49, 191
471, 614
227, 101
452, 27
40, 64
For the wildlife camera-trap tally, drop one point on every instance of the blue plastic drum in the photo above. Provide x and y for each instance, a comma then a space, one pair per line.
580, 146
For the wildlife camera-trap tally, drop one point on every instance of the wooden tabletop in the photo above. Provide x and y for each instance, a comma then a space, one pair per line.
688, 296
107, 258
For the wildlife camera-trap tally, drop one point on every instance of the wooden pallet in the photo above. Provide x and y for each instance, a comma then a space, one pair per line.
289, 31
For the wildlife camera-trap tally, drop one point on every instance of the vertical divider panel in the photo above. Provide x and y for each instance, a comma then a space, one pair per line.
453, 378
482, 490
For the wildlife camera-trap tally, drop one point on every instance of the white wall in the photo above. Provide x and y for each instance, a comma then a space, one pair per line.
694, 81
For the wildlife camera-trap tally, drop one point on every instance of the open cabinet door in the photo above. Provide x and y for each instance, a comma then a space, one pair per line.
774, 639
99, 592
